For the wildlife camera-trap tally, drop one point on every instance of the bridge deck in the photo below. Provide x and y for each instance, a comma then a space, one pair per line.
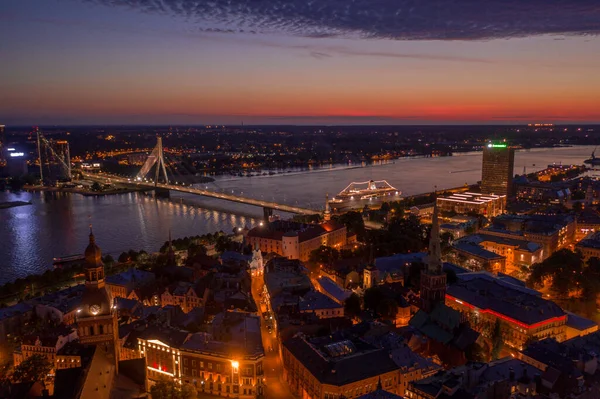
206, 193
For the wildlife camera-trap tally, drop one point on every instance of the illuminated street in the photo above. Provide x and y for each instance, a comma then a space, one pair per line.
276, 386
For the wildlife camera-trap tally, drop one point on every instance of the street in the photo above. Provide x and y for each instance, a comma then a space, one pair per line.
275, 385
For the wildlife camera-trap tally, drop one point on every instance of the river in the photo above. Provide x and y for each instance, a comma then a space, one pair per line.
56, 224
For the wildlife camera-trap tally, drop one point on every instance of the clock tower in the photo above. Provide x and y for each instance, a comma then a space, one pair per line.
97, 316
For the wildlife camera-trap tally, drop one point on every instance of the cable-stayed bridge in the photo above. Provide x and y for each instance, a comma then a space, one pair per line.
157, 159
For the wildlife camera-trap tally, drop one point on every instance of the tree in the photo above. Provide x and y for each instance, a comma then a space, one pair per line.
169, 389
385, 207
5, 373
354, 223
196, 250
387, 309
33, 369
414, 275
478, 353
373, 296
124, 257
497, 340
324, 254
446, 239
223, 243
402, 235
352, 305
564, 268
188, 391
108, 259
96, 187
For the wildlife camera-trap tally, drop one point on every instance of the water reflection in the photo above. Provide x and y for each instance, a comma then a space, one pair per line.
57, 224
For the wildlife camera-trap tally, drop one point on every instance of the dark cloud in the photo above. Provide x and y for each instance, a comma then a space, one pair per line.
387, 19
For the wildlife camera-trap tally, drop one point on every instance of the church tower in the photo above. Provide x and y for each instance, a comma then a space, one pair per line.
433, 278
327, 214
97, 322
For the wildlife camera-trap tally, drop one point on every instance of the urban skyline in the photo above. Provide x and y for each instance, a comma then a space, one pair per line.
95, 62
333, 199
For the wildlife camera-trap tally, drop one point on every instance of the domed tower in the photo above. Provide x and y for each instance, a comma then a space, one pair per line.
97, 316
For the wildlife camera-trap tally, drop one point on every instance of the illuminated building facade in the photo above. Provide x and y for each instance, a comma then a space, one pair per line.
163, 356
182, 294
325, 368
296, 240
216, 365
590, 246
516, 253
48, 345
497, 169
474, 257
523, 313
552, 232
468, 203
220, 368
123, 285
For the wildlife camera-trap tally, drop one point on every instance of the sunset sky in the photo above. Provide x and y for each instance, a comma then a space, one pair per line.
299, 61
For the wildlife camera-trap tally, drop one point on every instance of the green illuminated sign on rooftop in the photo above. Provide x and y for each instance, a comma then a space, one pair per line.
497, 145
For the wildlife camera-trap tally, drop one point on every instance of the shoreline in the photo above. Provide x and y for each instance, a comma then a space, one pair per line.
13, 204
84, 193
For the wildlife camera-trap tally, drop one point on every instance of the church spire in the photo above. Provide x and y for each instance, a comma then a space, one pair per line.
327, 215
92, 238
93, 254
434, 255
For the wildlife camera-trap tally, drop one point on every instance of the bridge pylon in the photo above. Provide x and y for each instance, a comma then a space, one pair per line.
157, 158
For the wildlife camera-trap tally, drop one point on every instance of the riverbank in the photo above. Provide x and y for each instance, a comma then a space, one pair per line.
12, 204
84, 192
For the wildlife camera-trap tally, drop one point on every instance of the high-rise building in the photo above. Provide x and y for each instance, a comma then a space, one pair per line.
497, 169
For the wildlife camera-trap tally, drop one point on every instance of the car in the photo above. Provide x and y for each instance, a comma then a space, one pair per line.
269, 329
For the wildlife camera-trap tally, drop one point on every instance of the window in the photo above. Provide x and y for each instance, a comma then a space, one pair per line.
193, 363
100, 329
185, 362
210, 366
